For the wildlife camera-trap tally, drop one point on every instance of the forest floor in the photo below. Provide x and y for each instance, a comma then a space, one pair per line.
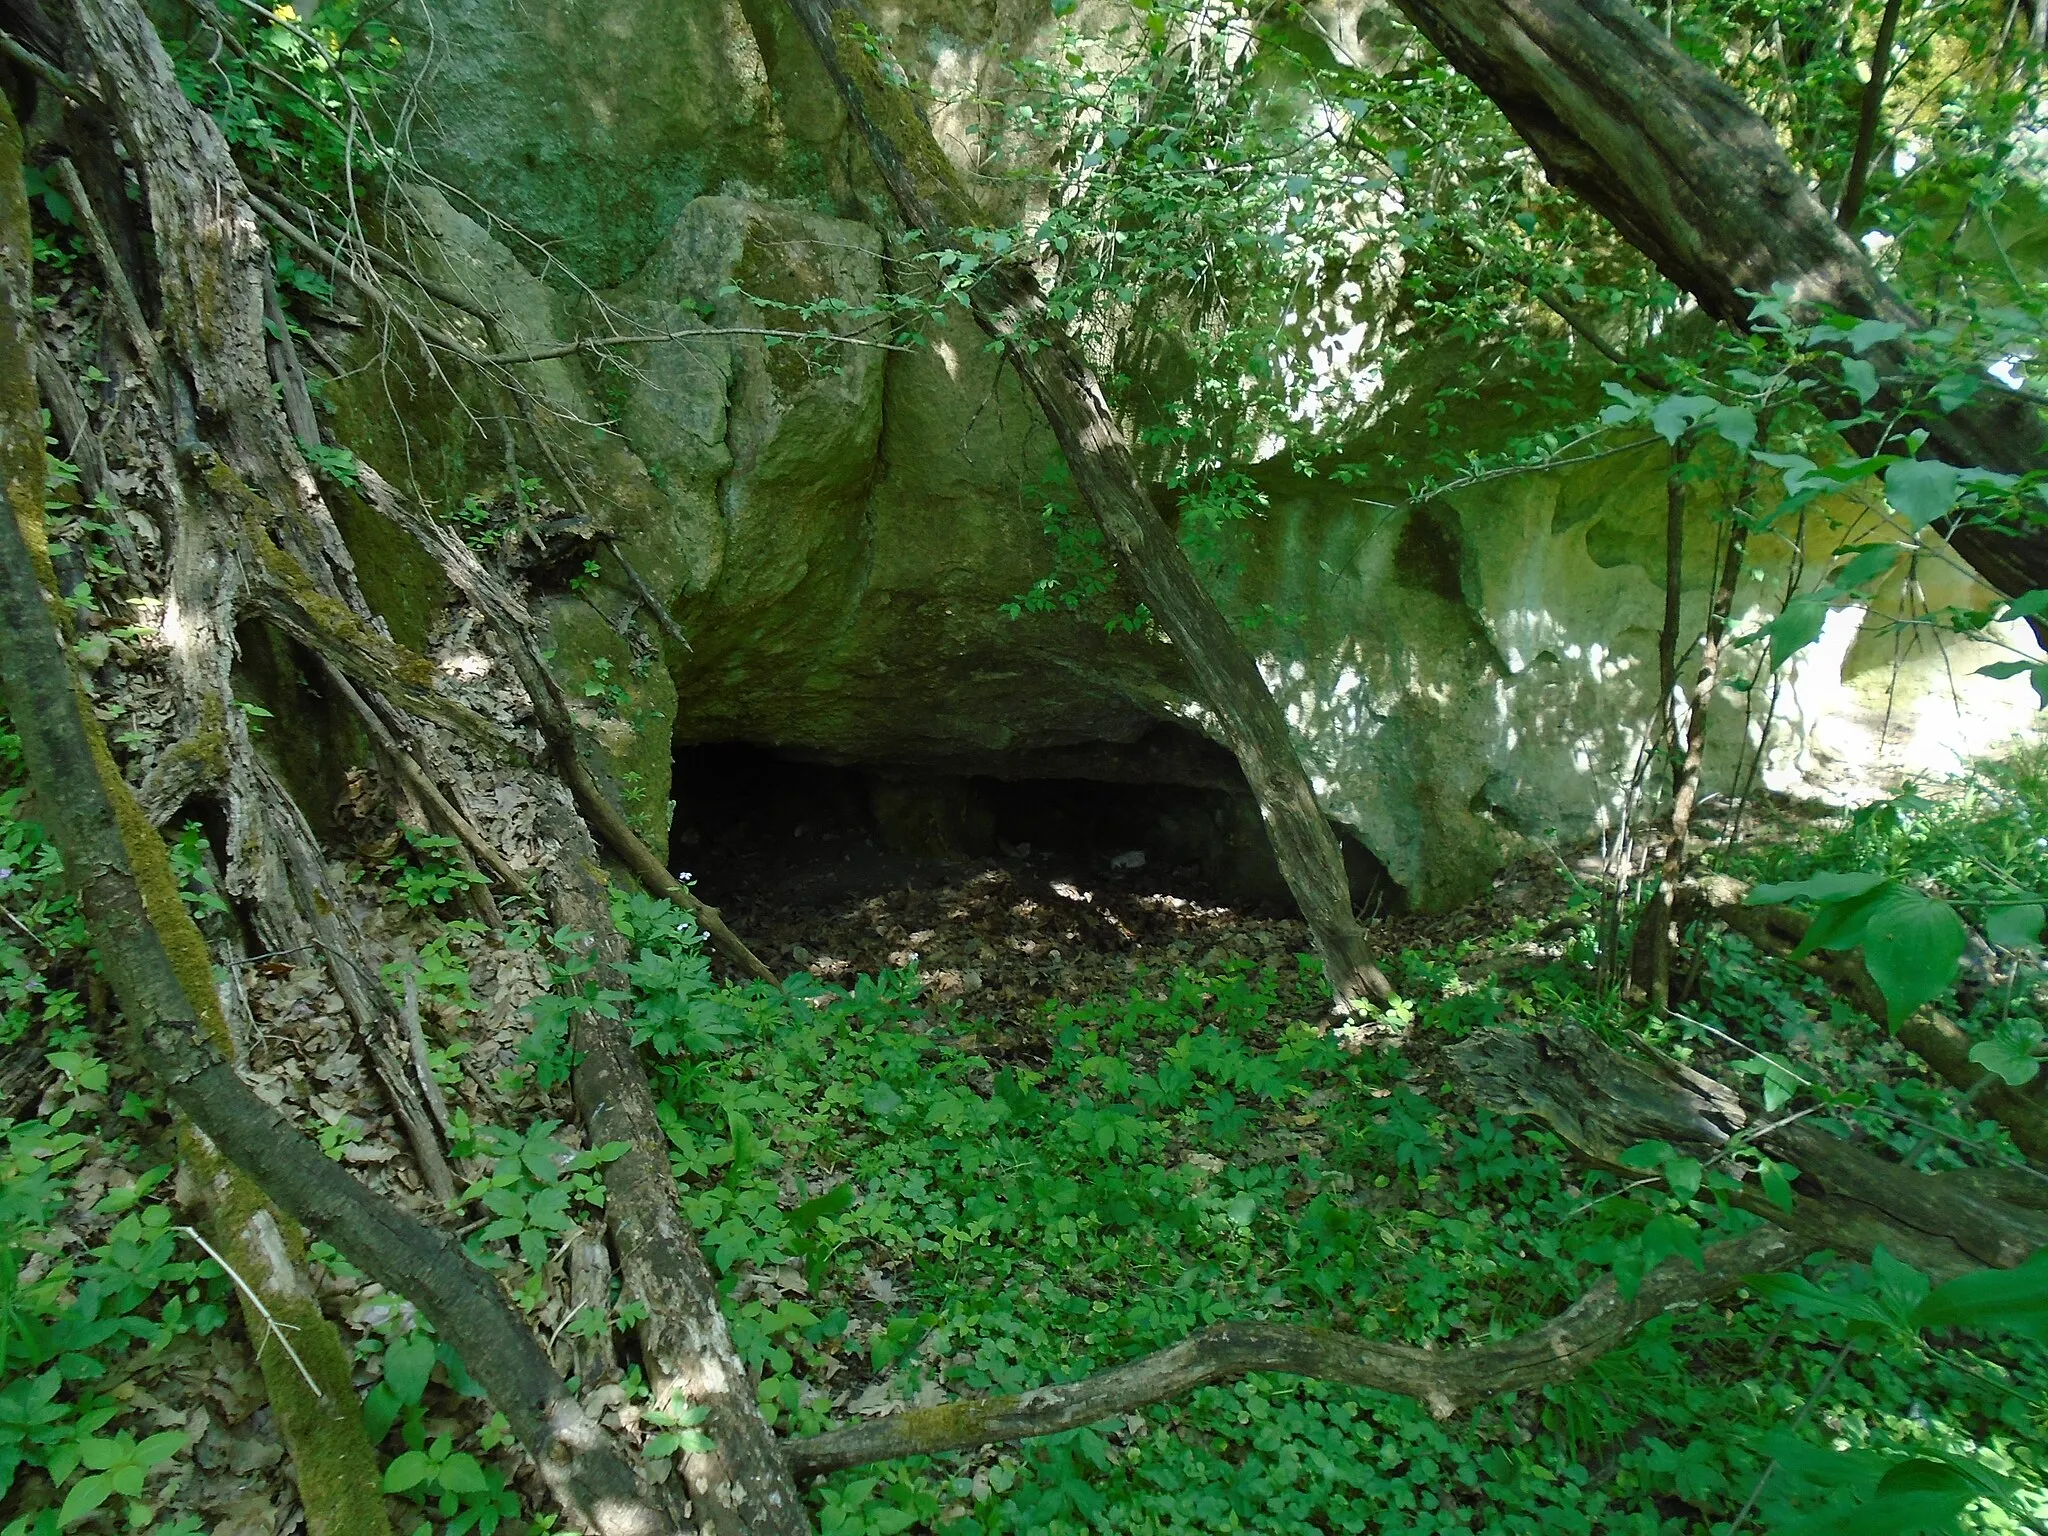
1003, 1124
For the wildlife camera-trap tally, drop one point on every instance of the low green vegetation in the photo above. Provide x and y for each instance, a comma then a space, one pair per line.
908, 1203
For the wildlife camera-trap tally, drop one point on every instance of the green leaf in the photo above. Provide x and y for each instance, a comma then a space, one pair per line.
1901, 1514
408, 1366
407, 1470
1777, 1178
1869, 333
1736, 425
1866, 566
86, 1495
1860, 377
1954, 391
1670, 416
461, 1474
836, 1201
2016, 1067
2016, 927
1822, 889
158, 1449
1683, 1174
1920, 490
1843, 924
2012, 1300
1911, 945
1797, 627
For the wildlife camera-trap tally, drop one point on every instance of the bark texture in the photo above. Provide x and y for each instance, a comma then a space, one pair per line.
1699, 183
312, 1396
1603, 1101
1009, 306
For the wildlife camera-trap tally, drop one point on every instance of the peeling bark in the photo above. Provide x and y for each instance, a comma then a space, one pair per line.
156, 963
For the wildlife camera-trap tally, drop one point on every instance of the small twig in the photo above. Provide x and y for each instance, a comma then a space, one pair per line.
118, 287
554, 349
29, 59
278, 1329
422, 784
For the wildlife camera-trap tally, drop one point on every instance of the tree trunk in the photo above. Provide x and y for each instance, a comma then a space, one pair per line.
1698, 182
309, 1386
1008, 305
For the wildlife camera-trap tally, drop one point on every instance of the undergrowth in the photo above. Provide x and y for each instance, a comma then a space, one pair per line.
905, 1204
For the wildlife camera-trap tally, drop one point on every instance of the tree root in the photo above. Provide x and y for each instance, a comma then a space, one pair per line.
515, 628
1445, 1380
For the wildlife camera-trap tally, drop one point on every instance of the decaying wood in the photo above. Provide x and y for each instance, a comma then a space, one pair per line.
1008, 304
312, 1396
1603, 1101
1699, 183
1928, 1034
251, 534
1447, 1380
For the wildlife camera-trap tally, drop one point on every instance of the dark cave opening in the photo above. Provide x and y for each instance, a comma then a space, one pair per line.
1169, 813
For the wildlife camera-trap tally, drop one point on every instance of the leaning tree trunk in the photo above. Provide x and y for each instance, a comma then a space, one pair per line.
251, 536
1008, 304
1698, 182
306, 1368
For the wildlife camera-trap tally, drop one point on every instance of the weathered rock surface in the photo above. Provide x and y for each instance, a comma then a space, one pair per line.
838, 528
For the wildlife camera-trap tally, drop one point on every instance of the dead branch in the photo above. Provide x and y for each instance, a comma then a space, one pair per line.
1008, 304
157, 965
1446, 1380
422, 784
1603, 1101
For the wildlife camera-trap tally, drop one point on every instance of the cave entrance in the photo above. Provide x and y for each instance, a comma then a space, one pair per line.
1169, 813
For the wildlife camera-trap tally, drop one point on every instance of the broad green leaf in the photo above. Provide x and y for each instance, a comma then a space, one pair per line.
1893, 1514
1737, 425
158, 1449
408, 1469
1797, 627
1911, 944
1670, 416
1777, 1178
1860, 377
2012, 1300
1997, 1055
408, 1365
1683, 1174
836, 1201
1862, 337
460, 1474
1921, 490
1842, 925
1865, 566
1823, 889
1954, 391
86, 1495
2015, 927
1646, 1154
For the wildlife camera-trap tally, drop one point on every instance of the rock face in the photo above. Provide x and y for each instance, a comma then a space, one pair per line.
838, 528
